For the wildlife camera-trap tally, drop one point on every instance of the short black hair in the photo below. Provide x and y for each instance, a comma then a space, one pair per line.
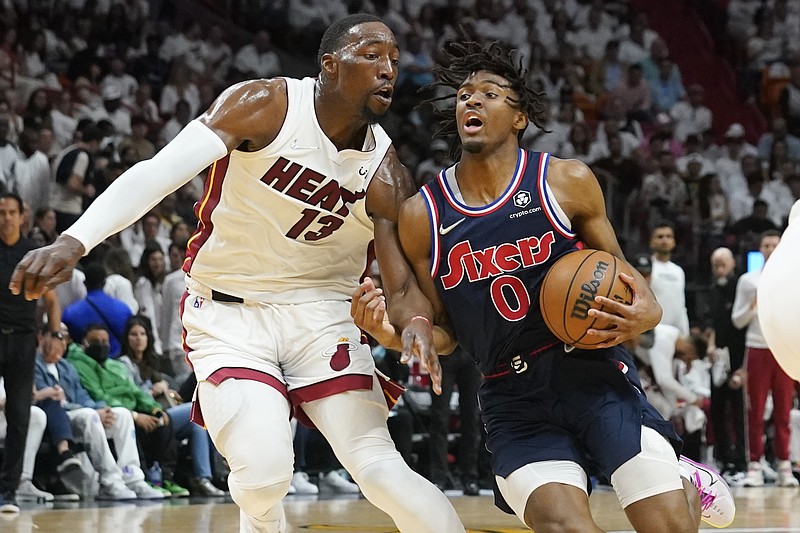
95, 276
333, 38
464, 58
14, 196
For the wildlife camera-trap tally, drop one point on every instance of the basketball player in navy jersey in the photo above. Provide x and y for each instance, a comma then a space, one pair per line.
301, 180
481, 238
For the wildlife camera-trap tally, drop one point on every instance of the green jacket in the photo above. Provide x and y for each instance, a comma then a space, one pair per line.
110, 382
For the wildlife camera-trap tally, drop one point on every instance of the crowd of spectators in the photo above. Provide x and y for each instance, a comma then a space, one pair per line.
90, 87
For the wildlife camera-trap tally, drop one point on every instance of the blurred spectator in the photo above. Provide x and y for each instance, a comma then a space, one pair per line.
216, 55
119, 279
730, 165
668, 280
620, 177
170, 327
715, 213
37, 112
126, 85
747, 230
180, 87
135, 237
143, 368
789, 100
764, 376
636, 46
118, 115
780, 132
175, 124
8, 154
592, 39
97, 308
30, 173
691, 117
692, 152
430, 167
607, 71
144, 106
663, 192
135, 147
73, 171
667, 88
727, 344
44, 227
18, 350
580, 145
741, 205
416, 66
150, 68
257, 60
148, 289
634, 95
185, 46
63, 120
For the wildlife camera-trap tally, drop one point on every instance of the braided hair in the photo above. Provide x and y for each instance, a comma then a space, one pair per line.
465, 58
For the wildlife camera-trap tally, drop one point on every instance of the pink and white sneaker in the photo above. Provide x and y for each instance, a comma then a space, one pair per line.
716, 500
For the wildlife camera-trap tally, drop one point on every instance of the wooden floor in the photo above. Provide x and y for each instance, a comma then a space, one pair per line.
771, 510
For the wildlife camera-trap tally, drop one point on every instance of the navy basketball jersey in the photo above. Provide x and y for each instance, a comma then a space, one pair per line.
488, 262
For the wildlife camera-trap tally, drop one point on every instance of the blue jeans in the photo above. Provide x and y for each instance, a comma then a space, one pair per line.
199, 441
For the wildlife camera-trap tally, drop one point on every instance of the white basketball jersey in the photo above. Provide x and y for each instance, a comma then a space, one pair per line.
288, 223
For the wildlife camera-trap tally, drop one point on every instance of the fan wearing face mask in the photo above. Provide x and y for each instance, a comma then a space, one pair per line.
107, 380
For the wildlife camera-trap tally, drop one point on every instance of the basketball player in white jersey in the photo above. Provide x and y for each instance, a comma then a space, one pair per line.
301, 179
779, 295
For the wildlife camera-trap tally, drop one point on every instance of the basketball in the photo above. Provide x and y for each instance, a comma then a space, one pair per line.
570, 287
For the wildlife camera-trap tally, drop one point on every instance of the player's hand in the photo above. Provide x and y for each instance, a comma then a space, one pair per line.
624, 321
368, 310
44, 268
417, 339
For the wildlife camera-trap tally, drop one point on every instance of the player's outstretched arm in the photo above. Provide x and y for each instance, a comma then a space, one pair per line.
581, 198
409, 307
243, 116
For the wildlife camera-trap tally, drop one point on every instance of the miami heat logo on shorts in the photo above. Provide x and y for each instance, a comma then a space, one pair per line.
340, 353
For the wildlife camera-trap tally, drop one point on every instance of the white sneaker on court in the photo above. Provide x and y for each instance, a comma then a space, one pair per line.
251, 525
785, 475
337, 483
144, 491
755, 475
302, 485
716, 500
28, 492
115, 491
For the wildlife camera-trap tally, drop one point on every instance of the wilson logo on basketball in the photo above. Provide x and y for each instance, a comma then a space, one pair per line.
495, 260
581, 306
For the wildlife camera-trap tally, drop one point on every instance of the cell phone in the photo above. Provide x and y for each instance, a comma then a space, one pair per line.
755, 261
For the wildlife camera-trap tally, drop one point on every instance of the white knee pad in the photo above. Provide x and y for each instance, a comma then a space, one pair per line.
249, 423
653, 471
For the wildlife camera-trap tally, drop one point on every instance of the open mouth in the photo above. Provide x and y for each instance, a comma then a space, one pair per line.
385, 94
472, 124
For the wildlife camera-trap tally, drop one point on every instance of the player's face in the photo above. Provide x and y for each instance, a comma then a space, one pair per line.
368, 66
486, 111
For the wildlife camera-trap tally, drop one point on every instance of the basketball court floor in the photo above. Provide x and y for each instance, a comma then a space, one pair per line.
773, 510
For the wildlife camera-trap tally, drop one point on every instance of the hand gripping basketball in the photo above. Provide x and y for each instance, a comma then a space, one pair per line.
585, 295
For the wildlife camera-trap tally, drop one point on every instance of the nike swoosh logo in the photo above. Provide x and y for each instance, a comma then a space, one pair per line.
448, 229
294, 146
